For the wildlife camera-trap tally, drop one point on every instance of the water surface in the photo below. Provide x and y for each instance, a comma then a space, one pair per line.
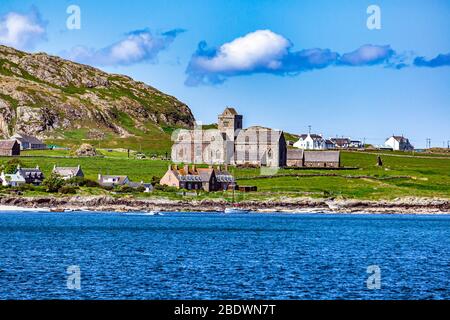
218, 256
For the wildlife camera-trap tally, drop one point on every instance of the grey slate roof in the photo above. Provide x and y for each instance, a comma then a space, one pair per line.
31, 173
190, 178
27, 138
7, 144
322, 156
66, 171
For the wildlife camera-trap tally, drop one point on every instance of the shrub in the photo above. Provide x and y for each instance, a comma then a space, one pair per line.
91, 183
140, 189
126, 189
68, 190
11, 166
82, 182
26, 187
165, 188
53, 183
76, 181
155, 180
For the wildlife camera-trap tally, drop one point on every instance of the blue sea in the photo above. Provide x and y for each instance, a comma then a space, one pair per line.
219, 256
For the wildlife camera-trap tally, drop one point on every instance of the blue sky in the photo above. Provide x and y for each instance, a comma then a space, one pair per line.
284, 64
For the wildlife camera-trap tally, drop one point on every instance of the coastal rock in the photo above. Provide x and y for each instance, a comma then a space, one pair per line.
302, 205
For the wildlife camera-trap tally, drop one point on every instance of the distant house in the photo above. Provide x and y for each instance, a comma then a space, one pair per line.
225, 180
119, 181
112, 181
356, 144
295, 157
322, 159
9, 148
193, 178
399, 143
31, 175
341, 143
11, 180
27, 142
329, 144
148, 187
68, 172
310, 142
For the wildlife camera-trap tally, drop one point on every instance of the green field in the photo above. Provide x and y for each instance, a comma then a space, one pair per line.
399, 176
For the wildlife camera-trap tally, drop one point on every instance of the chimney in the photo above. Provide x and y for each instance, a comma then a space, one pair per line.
99, 177
54, 167
37, 167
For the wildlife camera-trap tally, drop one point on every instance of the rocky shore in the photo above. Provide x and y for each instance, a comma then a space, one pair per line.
409, 205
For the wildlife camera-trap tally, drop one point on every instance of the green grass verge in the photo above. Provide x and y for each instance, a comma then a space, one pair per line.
399, 177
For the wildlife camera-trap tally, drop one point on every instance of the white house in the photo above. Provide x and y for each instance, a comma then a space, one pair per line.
112, 181
399, 143
12, 180
310, 142
68, 172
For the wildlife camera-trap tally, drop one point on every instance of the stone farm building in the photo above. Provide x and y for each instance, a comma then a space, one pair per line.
230, 144
193, 178
313, 159
322, 159
28, 142
295, 158
9, 148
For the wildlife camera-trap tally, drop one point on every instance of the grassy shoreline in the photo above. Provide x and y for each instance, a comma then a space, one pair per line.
400, 177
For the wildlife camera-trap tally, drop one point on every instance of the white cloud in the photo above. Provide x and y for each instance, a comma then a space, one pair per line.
22, 31
259, 49
138, 46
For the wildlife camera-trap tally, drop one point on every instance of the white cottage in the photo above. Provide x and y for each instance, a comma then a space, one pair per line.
310, 142
399, 143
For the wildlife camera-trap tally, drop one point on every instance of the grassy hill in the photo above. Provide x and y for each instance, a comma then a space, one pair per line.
67, 104
400, 176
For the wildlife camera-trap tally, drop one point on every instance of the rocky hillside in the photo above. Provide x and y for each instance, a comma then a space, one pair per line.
60, 100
